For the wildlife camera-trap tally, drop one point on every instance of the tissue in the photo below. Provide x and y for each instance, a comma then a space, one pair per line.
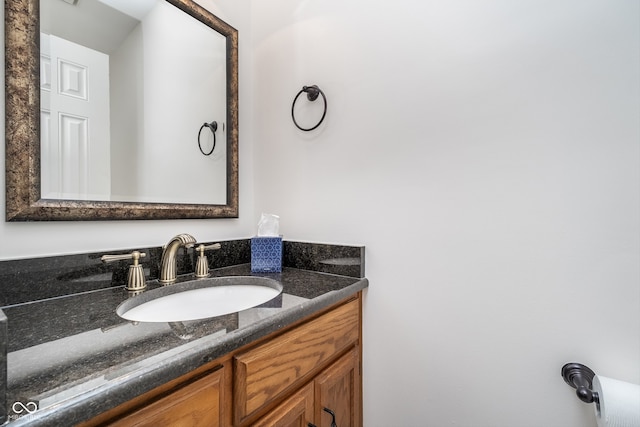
269, 225
266, 248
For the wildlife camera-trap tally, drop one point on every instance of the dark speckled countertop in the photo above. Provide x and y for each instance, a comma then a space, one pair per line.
74, 357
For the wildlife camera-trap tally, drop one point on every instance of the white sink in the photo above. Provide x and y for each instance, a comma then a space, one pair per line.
200, 299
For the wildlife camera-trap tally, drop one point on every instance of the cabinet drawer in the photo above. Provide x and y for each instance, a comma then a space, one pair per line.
198, 404
265, 372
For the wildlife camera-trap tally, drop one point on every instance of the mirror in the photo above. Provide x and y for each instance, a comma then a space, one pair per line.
141, 152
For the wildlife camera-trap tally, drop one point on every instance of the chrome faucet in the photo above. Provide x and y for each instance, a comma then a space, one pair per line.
168, 261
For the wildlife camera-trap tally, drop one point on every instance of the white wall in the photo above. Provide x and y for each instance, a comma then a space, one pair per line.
127, 68
195, 46
164, 140
29, 239
486, 153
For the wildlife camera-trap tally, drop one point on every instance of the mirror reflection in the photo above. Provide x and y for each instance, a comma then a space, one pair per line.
125, 87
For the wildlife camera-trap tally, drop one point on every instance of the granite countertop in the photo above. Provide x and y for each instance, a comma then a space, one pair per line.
73, 357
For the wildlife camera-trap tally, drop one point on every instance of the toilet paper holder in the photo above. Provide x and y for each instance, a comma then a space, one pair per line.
580, 377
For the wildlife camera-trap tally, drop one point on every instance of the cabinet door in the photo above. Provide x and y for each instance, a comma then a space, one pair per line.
197, 404
338, 389
265, 373
296, 411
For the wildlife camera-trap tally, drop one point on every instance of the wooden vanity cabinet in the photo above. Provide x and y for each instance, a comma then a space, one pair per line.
285, 379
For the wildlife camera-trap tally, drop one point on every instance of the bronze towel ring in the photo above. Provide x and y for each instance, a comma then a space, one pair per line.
213, 126
312, 94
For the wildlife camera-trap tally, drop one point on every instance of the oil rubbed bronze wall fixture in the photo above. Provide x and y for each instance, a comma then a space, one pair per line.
213, 127
617, 403
312, 94
580, 377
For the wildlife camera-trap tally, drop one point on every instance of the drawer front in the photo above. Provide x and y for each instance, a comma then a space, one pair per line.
265, 372
198, 404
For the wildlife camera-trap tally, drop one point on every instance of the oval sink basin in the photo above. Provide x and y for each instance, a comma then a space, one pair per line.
200, 299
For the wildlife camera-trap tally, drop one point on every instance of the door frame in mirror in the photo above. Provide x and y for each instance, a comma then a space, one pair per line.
22, 130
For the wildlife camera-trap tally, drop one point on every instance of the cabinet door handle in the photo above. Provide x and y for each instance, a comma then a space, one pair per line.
333, 417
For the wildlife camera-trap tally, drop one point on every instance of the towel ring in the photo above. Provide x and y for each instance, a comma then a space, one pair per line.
312, 94
213, 126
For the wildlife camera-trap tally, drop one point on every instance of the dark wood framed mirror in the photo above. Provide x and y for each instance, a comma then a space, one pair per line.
25, 127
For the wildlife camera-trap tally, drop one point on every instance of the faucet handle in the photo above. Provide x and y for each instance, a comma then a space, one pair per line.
202, 263
136, 280
135, 255
201, 248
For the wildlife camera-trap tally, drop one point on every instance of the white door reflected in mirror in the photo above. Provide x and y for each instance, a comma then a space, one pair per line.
75, 133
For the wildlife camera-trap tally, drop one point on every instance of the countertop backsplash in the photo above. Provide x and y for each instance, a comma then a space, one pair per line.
27, 280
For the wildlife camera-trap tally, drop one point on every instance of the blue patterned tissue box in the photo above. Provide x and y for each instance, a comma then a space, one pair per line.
266, 254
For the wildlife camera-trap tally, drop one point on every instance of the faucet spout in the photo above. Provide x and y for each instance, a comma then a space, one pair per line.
168, 261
